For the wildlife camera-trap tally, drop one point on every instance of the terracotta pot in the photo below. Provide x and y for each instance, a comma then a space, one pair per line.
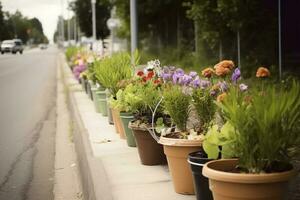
177, 151
150, 152
226, 185
118, 123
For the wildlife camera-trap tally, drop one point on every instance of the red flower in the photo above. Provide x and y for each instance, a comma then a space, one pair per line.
150, 75
144, 78
140, 73
157, 81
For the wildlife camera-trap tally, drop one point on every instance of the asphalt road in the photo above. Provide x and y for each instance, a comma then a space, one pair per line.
27, 124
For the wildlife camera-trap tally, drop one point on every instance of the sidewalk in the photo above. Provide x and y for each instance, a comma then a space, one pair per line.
111, 170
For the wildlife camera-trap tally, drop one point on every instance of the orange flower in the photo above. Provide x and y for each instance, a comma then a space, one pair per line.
262, 72
222, 71
228, 64
221, 97
208, 72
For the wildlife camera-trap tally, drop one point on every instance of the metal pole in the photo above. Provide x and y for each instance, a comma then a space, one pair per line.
75, 28
94, 19
69, 26
133, 28
279, 40
239, 49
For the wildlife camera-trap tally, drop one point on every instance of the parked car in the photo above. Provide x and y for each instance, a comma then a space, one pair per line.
43, 46
12, 46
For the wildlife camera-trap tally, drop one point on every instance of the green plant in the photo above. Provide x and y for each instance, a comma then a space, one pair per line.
177, 105
205, 107
220, 137
266, 126
111, 70
71, 52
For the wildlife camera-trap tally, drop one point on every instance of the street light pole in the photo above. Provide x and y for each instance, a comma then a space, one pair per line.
69, 25
279, 40
133, 28
94, 18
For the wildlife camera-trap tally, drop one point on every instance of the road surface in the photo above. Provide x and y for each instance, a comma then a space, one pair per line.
27, 124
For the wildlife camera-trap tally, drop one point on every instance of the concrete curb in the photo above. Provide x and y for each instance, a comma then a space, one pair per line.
88, 166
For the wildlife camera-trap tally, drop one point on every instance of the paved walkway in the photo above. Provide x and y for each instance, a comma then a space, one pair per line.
112, 170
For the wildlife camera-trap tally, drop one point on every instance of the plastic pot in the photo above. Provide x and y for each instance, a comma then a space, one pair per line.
197, 160
118, 123
103, 106
177, 151
150, 152
227, 185
109, 112
125, 119
95, 100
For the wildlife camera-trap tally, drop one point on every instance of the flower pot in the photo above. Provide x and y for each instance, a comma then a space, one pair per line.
197, 160
125, 119
227, 185
103, 106
85, 82
177, 151
95, 100
150, 152
109, 112
89, 89
100, 95
82, 81
118, 123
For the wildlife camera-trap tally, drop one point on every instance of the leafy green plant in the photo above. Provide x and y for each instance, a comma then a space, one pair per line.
266, 126
205, 107
111, 70
177, 105
216, 138
71, 52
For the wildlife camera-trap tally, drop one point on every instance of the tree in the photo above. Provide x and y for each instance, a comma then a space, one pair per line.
83, 11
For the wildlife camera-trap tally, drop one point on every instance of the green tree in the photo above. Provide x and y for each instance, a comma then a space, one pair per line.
83, 11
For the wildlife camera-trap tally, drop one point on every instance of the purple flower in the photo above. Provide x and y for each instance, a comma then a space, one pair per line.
243, 87
166, 76
204, 84
185, 79
193, 74
223, 86
236, 75
179, 72
78, 69
196, 82
175, 78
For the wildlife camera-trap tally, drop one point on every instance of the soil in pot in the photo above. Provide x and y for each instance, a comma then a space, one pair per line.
177, 151
150, 152
197, 160
125, 119
226, 183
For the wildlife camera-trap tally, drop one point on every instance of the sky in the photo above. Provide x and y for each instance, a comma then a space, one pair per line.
47, 11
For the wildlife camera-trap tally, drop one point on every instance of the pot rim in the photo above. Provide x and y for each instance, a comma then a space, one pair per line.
214, 174
179, 142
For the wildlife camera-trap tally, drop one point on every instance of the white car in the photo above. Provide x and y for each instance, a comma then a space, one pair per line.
12, 46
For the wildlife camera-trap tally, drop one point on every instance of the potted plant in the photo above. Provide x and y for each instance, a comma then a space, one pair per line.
126, 115
265, 137
143, 95
111, 70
